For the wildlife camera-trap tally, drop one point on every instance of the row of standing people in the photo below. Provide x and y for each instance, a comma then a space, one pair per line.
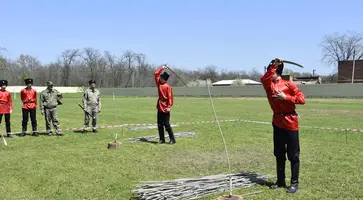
282, 96
49, 100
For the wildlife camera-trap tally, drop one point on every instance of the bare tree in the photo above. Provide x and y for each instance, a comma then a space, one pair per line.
31, 65
28, 62
111, 65
3, 63
209, 72
129, 57
142, 68
66, 60
92, 58
254, 74
338, 47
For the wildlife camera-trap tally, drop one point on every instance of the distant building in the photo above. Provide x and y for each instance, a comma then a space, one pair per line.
236, 82
305, 80
345, 69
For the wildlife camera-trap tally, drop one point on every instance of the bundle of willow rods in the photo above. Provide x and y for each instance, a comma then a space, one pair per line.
156, 137
193, 188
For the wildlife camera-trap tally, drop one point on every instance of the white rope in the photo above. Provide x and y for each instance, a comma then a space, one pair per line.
114, 116
224, 141
2, 135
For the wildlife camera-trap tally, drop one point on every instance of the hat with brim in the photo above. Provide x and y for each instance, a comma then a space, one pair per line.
3, 82
165, 76
91, 81
28, 81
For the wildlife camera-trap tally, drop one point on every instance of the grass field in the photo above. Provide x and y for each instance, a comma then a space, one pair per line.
80, 166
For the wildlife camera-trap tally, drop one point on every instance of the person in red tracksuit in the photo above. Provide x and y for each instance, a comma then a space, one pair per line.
6, 106
164, 104
282, 96
29, 99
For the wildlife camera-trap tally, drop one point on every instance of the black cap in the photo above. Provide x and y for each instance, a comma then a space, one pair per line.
165, 76
91, 81
3, 82
28, 81
280, 67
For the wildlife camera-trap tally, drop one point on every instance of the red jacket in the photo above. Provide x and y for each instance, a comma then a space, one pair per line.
29, 98
165, 92
283, 109
6, 103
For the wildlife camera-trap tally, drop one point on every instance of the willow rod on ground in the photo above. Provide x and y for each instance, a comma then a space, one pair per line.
224, 141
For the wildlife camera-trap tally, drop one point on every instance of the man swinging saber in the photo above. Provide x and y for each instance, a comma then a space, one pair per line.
283, 96
167, 67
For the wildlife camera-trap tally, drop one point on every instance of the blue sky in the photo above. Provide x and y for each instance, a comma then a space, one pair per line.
231, 34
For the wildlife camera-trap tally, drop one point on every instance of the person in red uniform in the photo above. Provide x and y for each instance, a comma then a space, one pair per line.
164, 104
283, 96
6, 106
29, 99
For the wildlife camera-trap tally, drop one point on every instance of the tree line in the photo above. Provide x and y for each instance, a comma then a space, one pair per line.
74, 67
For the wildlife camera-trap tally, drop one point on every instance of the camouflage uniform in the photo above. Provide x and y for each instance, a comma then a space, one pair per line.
92, 104
49, 100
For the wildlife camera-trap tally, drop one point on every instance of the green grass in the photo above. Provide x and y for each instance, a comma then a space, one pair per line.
81, 167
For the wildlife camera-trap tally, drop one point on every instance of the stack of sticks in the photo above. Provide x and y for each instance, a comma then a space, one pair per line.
194, 188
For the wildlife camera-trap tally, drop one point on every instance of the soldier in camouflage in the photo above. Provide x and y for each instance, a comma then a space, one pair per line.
49, 100
92, 105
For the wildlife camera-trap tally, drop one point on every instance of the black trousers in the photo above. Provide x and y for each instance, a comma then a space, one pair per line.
7, 122
33, 117
164, 121
286, 141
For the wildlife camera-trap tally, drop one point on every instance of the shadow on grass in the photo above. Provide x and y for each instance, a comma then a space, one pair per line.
78, 131
143, 140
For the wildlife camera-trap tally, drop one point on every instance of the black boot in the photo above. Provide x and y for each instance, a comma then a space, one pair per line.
171, 135
23, 133
161, 134
280, 170
295, 166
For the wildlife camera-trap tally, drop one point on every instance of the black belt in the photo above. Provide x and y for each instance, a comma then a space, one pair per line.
163, 100
286, 113
49, 107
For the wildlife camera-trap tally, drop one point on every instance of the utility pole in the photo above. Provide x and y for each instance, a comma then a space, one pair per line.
353, 66
314, 72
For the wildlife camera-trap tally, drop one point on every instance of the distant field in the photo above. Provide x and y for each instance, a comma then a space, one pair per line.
81, 167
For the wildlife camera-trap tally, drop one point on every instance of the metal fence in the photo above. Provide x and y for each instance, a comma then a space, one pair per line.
317, 91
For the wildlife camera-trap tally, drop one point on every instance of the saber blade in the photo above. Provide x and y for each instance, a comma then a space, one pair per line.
177, 76
292, 63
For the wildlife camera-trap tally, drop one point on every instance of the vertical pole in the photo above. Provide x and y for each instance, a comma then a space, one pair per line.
353, 67
133, 78
346, 136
